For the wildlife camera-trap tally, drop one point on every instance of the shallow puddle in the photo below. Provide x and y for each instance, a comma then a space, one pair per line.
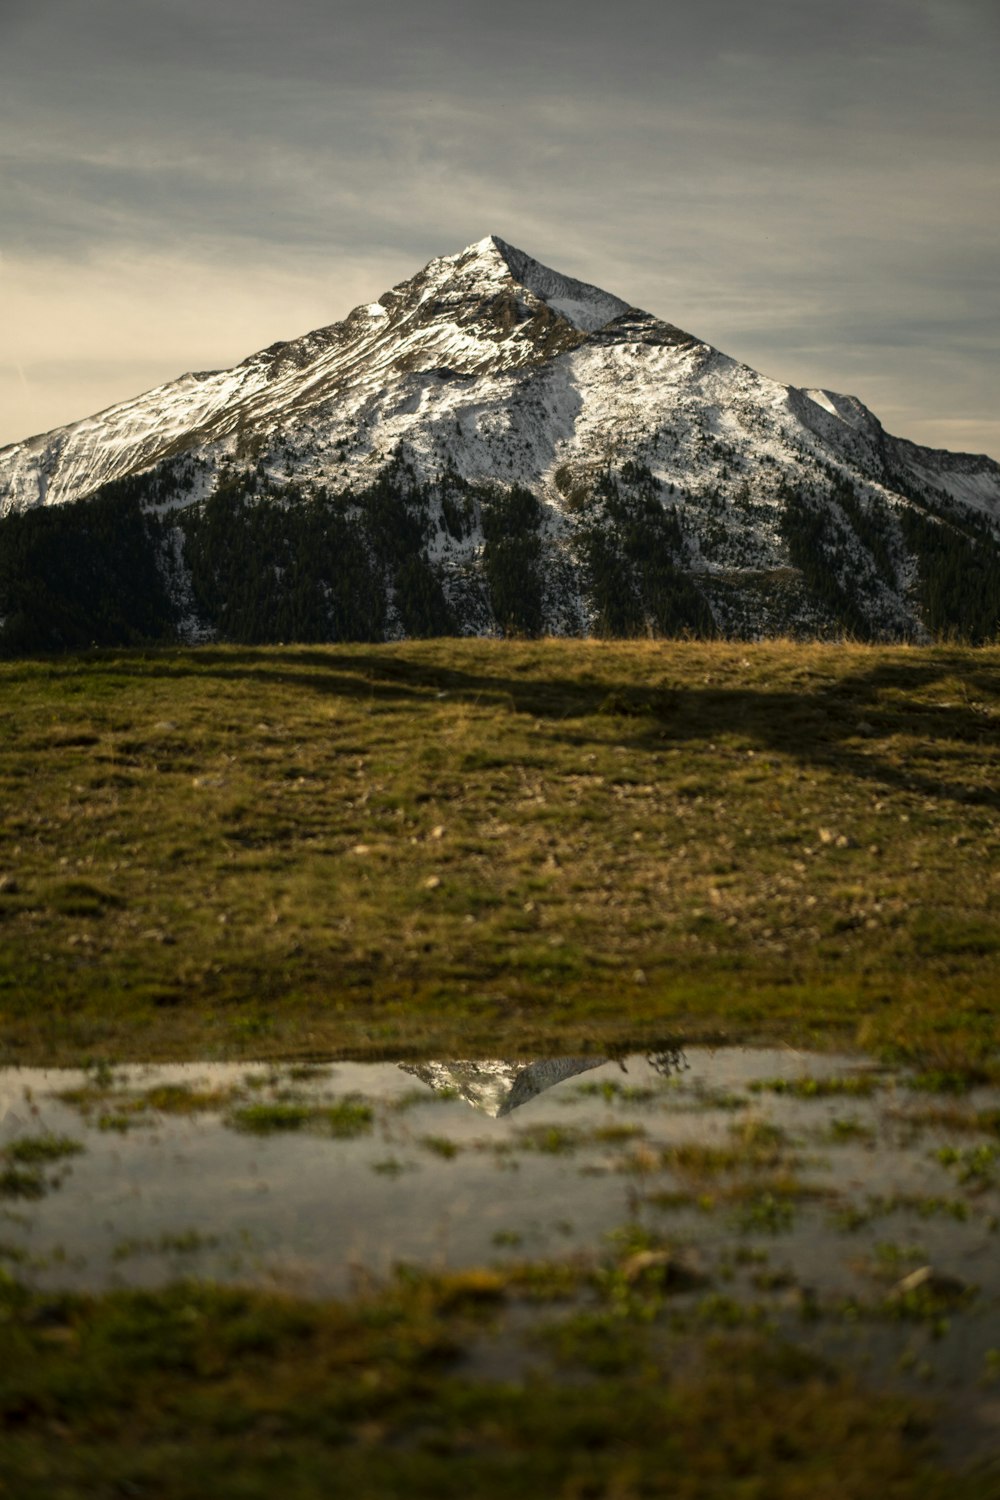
820, 1193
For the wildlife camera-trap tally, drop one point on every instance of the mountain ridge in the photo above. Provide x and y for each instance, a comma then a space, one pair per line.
646, 451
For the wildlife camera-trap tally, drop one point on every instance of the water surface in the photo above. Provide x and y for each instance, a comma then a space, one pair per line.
805, 1188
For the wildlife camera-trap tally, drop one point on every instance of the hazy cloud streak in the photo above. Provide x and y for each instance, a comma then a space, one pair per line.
813, 188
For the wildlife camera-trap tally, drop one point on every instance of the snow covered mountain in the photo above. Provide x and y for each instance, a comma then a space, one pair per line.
493, 446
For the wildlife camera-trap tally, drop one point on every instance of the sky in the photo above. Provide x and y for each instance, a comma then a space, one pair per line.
811, 185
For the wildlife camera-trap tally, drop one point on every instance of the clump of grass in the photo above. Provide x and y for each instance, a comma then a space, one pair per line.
754, 1201
764, 1213
36, 1150
616, 1133
946, 1080
179, 1242
718, 1310
440, 1145
307, 1072
613, 1092
698, 1159
851, 1085
183, 1099
21, 1182
754, 1146
932, 1304
344, 1119
123, 1120
852, 1217
633, 1238
890, 1261
120, 1108
507, 1239
846, 1130
22, 1164
414, 1098
703, 1097
974, 1166
269, 1119
952, 1117
671, 1201
552, 1140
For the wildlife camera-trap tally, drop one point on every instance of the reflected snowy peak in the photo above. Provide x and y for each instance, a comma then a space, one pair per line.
496, 1086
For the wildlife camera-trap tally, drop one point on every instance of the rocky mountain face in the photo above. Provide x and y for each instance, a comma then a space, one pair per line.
491, 447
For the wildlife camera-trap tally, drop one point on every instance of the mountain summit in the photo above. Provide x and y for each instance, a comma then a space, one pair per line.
586, 307
487, 310
492, 445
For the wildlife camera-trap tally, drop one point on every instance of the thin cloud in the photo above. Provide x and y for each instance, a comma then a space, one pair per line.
812, 187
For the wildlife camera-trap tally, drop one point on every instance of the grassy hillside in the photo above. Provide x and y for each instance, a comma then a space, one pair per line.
469, 845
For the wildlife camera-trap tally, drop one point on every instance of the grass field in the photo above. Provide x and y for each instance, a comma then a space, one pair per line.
464, 848
468, 846
197, 1391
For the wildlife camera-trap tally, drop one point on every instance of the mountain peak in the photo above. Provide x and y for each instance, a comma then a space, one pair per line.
658, 472
490, 244
587, 307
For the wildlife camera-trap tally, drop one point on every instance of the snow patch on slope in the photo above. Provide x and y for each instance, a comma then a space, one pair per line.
822, 399
970, 482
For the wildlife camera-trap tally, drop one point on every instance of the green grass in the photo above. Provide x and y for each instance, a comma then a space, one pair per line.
182, 1242
441, 1146
344, 1119
470, 845
22, 1163
21, 1182
37, 1150
163, 1098
846, 1130
197, 1390
551, 1140
973, 1164
853, 1085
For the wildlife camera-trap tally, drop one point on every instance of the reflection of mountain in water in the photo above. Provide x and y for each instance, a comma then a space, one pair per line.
498, 1085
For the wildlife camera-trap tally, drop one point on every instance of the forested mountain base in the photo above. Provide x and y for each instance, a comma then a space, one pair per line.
257, 562
87, 574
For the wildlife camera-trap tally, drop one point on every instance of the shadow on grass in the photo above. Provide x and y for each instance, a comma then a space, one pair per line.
835, 723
